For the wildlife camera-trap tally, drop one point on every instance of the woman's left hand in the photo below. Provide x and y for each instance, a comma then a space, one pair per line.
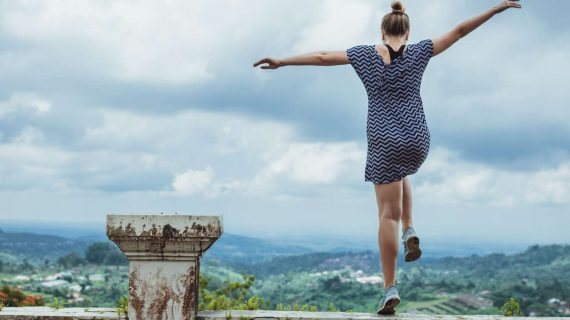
506, 4
272, 63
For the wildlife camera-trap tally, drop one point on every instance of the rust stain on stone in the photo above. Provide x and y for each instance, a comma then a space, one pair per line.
130, 230
169, 232
144, 232
189, 304
154, 231
135, 301
207, 230
157, 245
211, 228
115, 231
198, 228
163, 295
120, 232
157, 242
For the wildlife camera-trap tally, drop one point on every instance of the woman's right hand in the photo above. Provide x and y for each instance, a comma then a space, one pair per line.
271, 63
504, 5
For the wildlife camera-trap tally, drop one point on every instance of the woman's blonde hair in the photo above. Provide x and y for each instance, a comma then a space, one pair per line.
397, 22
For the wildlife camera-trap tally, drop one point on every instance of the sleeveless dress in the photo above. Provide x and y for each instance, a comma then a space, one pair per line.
397, 132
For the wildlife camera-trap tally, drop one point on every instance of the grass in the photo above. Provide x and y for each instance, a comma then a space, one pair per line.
56, 304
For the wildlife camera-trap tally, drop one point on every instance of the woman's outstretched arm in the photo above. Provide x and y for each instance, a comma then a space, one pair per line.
440, 44
317, 58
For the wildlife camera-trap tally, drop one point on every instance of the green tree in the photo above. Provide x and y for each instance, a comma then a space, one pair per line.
26, 266
115, 258
71, 260
105, 253
97, 252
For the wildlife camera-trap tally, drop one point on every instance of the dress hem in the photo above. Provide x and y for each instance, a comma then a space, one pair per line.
393, 179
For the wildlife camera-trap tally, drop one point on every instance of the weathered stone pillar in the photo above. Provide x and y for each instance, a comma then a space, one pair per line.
164, 255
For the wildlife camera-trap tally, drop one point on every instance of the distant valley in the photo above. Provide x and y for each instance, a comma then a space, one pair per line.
292, 274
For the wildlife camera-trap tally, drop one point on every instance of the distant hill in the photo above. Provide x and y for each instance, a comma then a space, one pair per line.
37, 247
488, 265
278, 245
369, 261
253, 255
236, 249
231, 249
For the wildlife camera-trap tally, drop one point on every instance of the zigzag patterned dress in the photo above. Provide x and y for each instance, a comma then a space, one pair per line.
397, 132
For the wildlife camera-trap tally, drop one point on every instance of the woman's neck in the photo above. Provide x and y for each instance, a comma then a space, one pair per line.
395, 43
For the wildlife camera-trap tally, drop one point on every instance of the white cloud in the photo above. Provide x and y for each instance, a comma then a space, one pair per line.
29, 136
338, 25
287, 166
151, 43
498, 82
251, 156
312, 163
27, 165
446, 178
127, 151
193, 181
26, 101
168, 43
204, 183
189, 132
549, 186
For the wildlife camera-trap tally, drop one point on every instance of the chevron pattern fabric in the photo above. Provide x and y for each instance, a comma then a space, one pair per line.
397, 132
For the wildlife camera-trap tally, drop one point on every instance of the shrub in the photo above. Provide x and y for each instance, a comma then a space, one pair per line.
232, 296
332, 308
56, 304
511, 307
12, 297
122, 306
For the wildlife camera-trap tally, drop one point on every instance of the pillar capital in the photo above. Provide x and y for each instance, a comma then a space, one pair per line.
163, 236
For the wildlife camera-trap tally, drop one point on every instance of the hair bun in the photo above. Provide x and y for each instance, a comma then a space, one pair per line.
397, 7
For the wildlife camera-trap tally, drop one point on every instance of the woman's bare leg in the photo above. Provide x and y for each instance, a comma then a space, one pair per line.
389, 199
407, 205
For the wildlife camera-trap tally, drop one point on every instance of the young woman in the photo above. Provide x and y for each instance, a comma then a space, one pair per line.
398, 136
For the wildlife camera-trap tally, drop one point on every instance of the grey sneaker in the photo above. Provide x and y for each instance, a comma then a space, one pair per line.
390, 299
411, 245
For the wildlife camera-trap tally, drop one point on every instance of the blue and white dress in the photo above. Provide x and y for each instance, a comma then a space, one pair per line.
397, 132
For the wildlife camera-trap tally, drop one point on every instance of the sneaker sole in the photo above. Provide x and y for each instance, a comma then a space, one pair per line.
414, 251
389, 306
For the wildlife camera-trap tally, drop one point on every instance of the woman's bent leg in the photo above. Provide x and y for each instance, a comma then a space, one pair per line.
389, 199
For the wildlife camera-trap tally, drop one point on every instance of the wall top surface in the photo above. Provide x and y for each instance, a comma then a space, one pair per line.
166, 226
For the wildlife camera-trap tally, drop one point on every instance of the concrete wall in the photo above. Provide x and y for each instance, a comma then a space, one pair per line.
44, 313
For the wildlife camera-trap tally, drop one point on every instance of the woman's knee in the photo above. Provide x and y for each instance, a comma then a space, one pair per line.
389, 198
391, 210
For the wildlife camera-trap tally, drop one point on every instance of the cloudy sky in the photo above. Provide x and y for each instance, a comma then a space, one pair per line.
147, 107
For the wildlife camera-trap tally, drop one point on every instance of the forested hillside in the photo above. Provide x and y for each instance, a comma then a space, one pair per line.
96, 274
